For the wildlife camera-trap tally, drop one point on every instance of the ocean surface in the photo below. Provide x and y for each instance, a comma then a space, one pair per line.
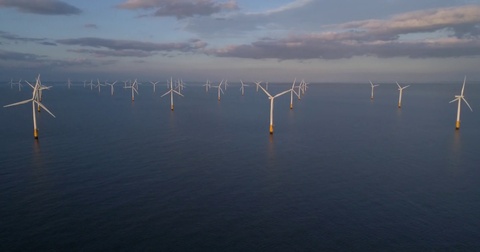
340, 173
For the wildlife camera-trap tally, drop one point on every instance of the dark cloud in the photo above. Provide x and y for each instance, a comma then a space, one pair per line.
13, 37
113, 53
192, 45
43, 7
16, 38
16, 56
318, 47
91, 26
48, 43
180, 8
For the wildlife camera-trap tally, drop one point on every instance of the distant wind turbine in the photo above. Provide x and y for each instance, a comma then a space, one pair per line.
459, 98
242, 88
69, 83
272, 98
373, 86
171, 91
111, 86
34, 101
220, 90
134, 87
292, 91
400, 89
207, 86
154, 85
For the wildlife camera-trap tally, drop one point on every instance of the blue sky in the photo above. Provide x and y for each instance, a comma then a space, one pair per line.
318, 40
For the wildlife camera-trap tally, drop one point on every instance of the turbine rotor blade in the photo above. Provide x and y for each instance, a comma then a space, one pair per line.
18, 103
45, 108
456, 99
467, 104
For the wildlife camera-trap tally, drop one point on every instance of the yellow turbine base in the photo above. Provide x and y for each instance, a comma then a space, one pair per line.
271, 129
457, 125
399, 105
38, 109
35, 133
291, 106
171, 107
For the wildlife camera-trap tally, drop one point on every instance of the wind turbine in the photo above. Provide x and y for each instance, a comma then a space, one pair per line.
34, 101
207, 86
400, 89
171, 91
111, 86
99, 85
39, 95
242, 88
373, 86
19, 83
459, 98
154, 85
272, 98
91, 85
219, 87
258, 83
69, 83
292, 91
134, 89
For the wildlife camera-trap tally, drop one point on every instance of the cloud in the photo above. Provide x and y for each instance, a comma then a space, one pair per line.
16, 38
379, 38
91, 26
112, 44
180, 8
16, 56
112, 53
43, 7
422, 21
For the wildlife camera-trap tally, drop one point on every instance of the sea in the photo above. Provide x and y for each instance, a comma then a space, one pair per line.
341, 172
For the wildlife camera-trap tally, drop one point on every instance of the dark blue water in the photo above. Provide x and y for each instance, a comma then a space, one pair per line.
341, 172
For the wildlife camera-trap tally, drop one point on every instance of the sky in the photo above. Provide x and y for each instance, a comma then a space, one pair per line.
407, 41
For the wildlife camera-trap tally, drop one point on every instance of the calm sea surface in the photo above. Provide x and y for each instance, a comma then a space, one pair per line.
341, 172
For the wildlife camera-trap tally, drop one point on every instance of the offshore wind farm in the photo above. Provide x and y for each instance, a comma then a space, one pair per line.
339, 170
294, 125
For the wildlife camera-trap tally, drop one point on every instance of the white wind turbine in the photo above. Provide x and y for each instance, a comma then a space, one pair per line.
207, 86
134, 87
292, 91
242, 88
39, 95
459, 98
258, 83
91, 85
272, 98
400, 89
154, 85
19, 83
220, 90
171, 91
373, 86
69, 83
111, 86
34, 101
99, 85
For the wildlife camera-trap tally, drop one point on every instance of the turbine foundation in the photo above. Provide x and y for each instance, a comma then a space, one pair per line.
457, 125
271, 129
